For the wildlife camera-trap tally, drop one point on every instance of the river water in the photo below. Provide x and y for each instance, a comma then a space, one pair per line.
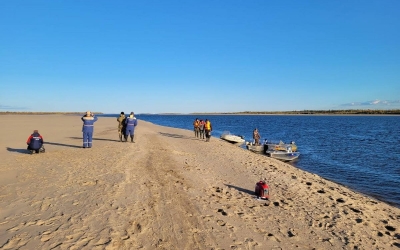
360, 152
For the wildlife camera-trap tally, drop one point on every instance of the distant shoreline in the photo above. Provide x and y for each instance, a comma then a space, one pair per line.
303, 112
46, 113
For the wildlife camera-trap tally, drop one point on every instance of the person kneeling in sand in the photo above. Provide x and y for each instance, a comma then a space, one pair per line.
35, 143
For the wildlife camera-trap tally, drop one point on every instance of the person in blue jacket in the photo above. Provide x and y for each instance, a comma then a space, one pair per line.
35, 143
131, 123
88, 124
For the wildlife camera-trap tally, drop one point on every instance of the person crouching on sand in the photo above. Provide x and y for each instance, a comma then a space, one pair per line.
87, 129
208, 129
35, 143
121, 125
131, 123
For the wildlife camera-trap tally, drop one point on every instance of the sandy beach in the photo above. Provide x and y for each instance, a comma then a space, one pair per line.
170, 190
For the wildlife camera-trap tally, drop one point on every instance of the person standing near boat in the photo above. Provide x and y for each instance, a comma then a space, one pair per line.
196, 127
87, 129
131, 123
121, 125
256, 137
207, 129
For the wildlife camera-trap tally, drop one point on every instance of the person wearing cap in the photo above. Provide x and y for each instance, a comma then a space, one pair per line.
121, 125
131, 123
87, 129
35, 142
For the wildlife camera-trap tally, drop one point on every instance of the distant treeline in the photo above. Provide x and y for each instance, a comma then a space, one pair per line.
315, 112
44, 113
338, 112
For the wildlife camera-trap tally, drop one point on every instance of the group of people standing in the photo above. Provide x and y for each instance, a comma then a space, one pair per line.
202, 129
126, 126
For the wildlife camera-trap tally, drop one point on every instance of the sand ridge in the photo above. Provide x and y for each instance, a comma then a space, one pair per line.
170, 190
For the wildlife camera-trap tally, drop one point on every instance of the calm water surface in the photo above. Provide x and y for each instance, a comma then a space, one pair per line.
361, 152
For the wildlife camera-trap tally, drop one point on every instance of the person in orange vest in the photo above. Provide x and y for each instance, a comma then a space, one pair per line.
208, 129
196, 127
201, 128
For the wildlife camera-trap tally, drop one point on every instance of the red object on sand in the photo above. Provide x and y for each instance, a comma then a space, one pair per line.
262, 190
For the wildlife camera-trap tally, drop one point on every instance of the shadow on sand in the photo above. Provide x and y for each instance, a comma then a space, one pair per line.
18, 150
177, 136
62, 144
26, 151
251, 192
94, 139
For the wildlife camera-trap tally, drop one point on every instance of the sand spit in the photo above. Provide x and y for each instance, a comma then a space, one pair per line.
170, 190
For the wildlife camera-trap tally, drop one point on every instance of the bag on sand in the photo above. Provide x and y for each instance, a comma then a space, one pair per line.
42, 150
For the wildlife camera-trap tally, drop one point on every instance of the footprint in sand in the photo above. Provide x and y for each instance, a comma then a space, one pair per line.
46, 236
13, 229
16, 242
221, 223
222, 212
270, 236
89, 183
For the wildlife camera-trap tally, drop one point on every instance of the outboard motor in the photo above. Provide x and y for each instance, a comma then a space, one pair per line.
262, 190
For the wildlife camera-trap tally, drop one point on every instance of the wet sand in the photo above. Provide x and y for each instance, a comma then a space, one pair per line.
170, 190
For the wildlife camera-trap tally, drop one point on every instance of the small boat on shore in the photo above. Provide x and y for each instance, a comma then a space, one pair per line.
255, 148
278, 150
287, 155
279, 146
281, 151
234, 139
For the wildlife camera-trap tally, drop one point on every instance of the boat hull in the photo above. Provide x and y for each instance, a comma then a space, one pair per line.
234, 139
255, 148
283, 155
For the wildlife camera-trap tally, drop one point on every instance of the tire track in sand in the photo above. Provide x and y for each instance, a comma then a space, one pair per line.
170, 220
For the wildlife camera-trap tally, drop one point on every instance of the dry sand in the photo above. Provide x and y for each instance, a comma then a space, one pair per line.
170, 190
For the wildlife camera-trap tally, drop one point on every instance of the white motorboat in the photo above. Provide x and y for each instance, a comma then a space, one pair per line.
283, 155
234, 139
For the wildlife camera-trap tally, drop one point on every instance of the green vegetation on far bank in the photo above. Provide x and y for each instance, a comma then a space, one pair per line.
315, 112
44, 113
295, 112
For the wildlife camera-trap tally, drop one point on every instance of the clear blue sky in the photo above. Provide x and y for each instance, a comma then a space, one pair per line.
194, 56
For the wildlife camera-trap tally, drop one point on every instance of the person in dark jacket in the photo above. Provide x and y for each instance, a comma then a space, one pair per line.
131, 123
35, 142
87, 129
121, 125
